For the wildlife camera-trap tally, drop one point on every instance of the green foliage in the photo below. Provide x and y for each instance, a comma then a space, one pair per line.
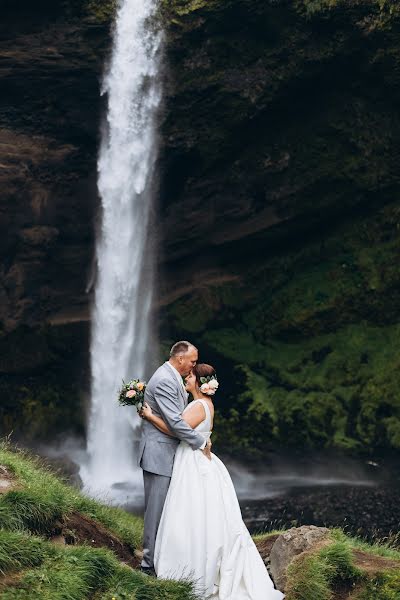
309, 342
102, 10
383, 9
185, 7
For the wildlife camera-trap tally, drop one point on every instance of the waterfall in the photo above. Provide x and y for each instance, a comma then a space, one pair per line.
121, 330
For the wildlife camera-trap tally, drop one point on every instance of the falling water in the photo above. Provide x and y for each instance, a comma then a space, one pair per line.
123, 296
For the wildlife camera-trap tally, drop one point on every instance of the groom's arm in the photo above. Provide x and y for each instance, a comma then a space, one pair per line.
167, 400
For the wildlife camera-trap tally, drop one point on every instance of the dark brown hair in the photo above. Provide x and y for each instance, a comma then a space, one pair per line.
203, 370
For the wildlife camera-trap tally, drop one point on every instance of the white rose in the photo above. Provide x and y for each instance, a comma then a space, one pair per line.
213, 384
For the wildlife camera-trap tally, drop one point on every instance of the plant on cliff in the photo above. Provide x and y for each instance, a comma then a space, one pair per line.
308, 342
102, 10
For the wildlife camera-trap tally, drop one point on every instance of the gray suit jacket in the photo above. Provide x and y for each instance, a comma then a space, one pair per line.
167, 399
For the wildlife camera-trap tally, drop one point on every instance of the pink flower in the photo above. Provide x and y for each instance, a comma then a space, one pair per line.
205, 388
130, 394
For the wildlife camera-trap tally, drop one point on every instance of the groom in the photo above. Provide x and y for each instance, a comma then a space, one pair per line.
167, 397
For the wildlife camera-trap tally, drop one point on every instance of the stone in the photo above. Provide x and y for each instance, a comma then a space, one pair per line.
7, 481
290, 544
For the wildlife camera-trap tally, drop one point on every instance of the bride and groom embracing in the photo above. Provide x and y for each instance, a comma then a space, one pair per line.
193, 527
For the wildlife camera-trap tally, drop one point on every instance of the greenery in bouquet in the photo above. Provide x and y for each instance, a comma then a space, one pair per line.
132, 393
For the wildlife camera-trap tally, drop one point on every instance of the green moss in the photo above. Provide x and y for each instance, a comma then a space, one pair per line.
101, 10
384, 9
181, 8
309, 342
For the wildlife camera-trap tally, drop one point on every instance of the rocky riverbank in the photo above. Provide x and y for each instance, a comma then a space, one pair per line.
373, 513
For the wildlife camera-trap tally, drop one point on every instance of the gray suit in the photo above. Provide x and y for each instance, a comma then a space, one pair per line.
167, 399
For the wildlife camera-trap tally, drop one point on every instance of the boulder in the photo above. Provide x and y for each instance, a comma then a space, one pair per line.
289, 545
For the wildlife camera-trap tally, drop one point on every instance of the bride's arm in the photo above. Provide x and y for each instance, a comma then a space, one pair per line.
193, 417
147, 413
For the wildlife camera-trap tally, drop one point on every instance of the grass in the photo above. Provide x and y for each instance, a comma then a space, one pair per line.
378, 548
77, 573
42, 498
35, 568
321, 574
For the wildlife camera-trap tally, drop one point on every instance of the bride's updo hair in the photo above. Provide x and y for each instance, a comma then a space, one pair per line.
204, 375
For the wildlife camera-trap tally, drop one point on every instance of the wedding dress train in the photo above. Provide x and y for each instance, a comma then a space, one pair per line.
202, 536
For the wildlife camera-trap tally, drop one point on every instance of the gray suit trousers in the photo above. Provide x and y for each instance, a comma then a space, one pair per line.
155, 492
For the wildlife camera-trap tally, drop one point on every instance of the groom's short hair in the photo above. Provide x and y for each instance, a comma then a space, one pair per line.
180, 348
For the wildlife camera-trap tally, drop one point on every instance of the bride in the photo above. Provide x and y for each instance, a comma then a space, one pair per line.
201, 535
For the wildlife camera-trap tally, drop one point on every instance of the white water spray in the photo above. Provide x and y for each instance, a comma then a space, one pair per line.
123, 295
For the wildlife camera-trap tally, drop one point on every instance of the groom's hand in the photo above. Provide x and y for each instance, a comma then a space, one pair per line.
207, 450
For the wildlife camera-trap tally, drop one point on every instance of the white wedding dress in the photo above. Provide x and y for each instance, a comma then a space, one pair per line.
202, 536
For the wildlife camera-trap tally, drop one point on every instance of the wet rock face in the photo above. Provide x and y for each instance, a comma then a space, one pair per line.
49, 119
51, 59
272, 124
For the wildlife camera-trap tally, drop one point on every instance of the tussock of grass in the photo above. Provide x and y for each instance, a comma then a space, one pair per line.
18, 550
308, 579
314, 576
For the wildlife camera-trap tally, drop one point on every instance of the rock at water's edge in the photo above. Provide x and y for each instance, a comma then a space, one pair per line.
289, 545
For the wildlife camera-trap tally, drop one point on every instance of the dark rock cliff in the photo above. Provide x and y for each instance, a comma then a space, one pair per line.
279, 210
51, 58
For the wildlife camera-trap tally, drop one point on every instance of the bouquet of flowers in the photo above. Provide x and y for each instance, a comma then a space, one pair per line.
132, 393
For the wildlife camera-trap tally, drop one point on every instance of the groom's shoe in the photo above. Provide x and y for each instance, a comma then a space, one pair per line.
148, 571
